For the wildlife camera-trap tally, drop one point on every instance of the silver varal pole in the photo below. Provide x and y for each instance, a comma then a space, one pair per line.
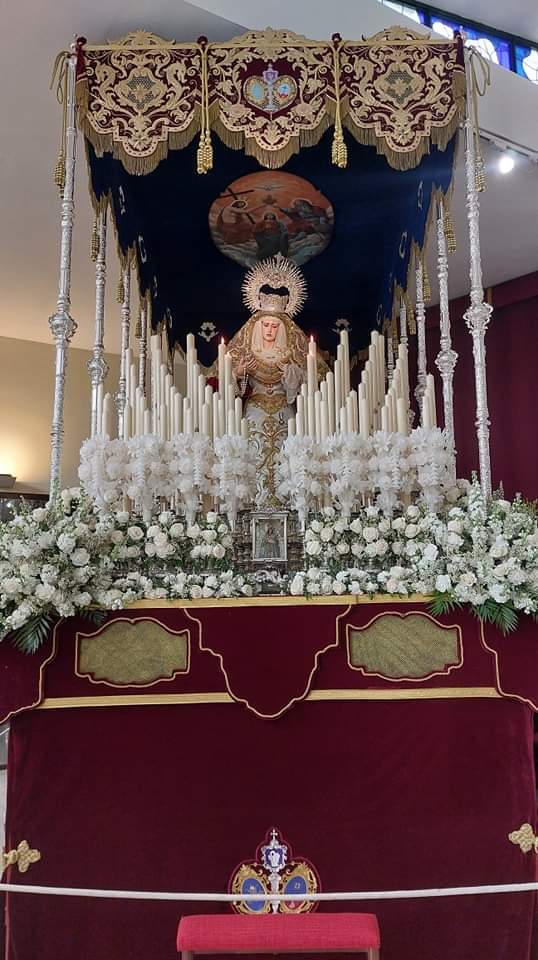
403, 323
477, 315
61, 323
121, 396
97, 365
143, 346
421, 336
447, 357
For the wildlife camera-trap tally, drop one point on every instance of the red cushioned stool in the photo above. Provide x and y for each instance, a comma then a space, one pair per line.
280, 933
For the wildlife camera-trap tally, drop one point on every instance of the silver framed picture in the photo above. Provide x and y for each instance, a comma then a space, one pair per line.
270, 537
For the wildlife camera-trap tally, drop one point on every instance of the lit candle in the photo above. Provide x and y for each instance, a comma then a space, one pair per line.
222, 354
312, 347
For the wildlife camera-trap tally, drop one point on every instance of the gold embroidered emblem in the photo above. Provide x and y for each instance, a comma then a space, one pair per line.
132, 653
23, 856
525, 838
399, 647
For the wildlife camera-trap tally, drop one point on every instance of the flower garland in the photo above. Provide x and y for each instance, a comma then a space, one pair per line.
62, 559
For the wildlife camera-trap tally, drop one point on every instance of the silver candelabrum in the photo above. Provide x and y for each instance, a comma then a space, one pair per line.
97, 365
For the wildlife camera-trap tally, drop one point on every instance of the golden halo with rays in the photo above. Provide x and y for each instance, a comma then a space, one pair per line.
275, 272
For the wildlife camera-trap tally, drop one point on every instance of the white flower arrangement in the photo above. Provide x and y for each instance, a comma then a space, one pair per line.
234, 474
60, 560
348, 469
301, 475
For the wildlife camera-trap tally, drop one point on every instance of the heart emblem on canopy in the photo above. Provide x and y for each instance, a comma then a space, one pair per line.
270, 92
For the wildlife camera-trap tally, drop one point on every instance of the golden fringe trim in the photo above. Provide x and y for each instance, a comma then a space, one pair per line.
400, 160
448, 226
271, 159
140, 166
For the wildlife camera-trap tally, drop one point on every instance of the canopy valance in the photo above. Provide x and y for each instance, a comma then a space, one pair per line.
269, 93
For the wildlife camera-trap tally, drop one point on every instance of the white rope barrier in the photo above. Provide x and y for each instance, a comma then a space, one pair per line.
295, 898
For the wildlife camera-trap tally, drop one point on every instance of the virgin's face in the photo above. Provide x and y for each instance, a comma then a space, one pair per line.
270, 327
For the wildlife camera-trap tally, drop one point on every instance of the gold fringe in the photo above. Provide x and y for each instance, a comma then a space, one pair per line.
59, 172
450, 235
94, 242
426, 286
480, 173
339, 148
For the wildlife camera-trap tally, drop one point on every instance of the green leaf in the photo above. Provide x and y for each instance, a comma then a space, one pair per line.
443, 603
92, 615
501, 615
33, 633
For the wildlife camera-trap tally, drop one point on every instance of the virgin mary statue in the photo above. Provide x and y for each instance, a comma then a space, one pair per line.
269, 361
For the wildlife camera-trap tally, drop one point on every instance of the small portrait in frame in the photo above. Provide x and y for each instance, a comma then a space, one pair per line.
269, 538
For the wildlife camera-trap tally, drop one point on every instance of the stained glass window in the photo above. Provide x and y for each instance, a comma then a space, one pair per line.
527, 62
406, 10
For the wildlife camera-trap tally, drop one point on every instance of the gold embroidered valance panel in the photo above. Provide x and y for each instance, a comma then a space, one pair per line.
270, 93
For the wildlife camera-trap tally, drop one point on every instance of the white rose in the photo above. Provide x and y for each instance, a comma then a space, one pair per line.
340, 526
153, 531
383, 526
150, 550
212, 581
313, 548
398, 524
122, 517
83, 599
356, 549
222, 528
209, 535
196, 591
392, 585
355, 587
454, 540
160, 540
411, 548
80, 557
411, 530
246, 590
371, 549
430, 552
443, 583
468, 579
11, 585
218, 551
135, 533
297, 585
326, 534
316, 526
193, 531
39, 514
499, 548
212, 517
338, 587
176, 530
116, 536
355, 525
369, 534
45, 540
66, 543
412, 511
207, 592
454, 526
342, 547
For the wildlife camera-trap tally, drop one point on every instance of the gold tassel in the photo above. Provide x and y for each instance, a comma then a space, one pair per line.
480, 173
94, 242
426, 286
59, 172
120, 295
339, 148
450, 235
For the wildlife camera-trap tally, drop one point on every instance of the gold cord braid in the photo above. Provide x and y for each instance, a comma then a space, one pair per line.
59, 79
120, 294
479, 85
94, 241
204, 154
339, 148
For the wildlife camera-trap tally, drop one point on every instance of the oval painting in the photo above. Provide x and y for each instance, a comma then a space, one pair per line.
271, 212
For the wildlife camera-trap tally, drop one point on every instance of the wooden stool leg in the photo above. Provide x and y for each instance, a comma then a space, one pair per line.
373, 953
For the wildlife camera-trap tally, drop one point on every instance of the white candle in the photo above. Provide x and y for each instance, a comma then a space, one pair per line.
291, 427
187, 419
127, 422
238, 414
343, 421
206, 423
216, 425
344, 340
311, 417
222, 417
349, 414
228, 378
317, 414
337, 391
312, 347
299, 424
107, 416
221, 356
208, 397
300, 405
162, 422
355, 408
430, 383
201, 396
364, 417
324, 413
330, 400
384, 419
401, 416
230, 398
245, 430
230, 422
178, 408
311, 374
147, 422
186, 408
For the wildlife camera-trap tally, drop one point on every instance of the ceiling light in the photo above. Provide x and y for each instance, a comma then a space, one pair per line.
506, 162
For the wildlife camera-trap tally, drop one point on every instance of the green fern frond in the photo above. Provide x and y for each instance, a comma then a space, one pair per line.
501, 615
93, 615
33, 633
443, 603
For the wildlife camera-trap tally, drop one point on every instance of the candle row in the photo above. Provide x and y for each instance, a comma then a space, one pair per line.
429, 409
